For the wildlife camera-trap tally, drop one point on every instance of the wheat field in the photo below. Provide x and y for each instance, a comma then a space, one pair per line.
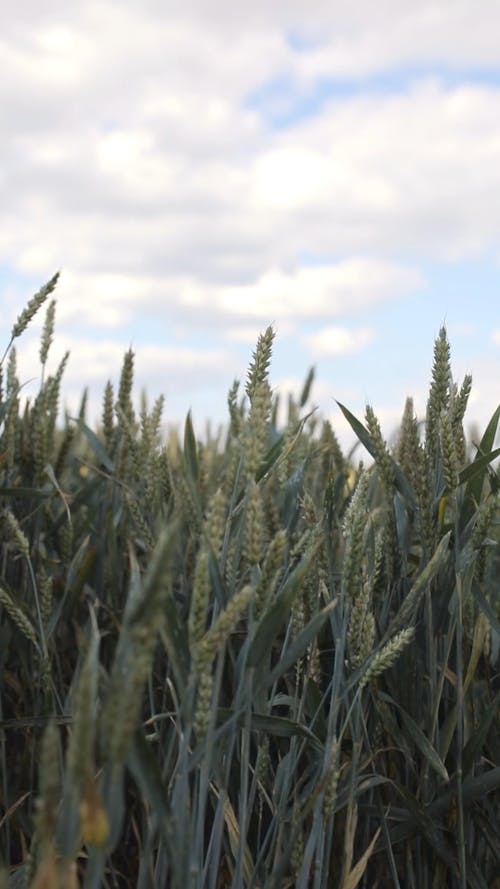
249, 661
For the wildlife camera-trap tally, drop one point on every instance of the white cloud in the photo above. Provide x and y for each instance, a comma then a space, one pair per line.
320, 291
289, 178
133, 159
408, 173
496, 336
362, 38
145, 160
169, 370
250, 333
308, 292
333, 341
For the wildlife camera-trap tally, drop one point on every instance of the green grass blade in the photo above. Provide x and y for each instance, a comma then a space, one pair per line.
272, 725
475, 474
485, 607
428, 827
147, 774
96, 445
473, 747
366, 440
173, 634
478, 786
426, 749
297, 648
407, 611
277, 614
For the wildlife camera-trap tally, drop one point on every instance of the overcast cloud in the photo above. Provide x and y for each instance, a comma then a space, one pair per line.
211, 168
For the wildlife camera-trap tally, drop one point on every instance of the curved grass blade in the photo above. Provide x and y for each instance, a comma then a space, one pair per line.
297, 648
366, 440
474, 788
276, 615
272, 725
96, 445
355, 875
474, 474
472, 749
276, 454
146, 772
407, 611
485, 607
424, 745
428, 826
78, 571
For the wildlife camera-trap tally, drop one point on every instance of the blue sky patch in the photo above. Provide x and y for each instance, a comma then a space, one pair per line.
283, 102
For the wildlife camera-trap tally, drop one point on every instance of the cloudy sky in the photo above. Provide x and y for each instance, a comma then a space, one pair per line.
198, 170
